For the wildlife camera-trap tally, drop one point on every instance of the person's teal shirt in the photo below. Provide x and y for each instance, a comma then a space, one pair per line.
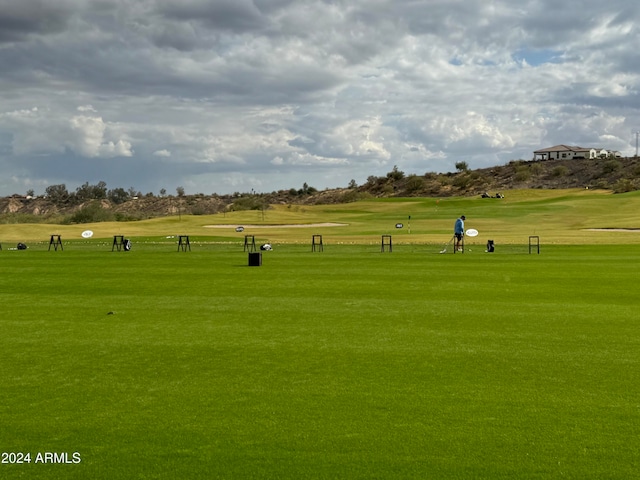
459, 227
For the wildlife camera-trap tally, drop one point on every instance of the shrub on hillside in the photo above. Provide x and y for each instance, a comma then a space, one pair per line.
601, 184
13, 218
536, 169
559, 171
91, 213
351, 196
433, 188
522, 173
414, 184
461, 181
624, 185
204, 209
611, 166
250, 202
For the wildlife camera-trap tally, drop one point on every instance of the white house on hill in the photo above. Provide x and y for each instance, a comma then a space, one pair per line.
568, 152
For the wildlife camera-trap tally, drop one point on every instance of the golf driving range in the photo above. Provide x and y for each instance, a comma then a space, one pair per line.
350, 362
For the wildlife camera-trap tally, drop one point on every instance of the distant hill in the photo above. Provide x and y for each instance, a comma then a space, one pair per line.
615, 174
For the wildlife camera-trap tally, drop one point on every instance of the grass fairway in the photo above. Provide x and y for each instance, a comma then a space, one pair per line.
348, 363
558, 217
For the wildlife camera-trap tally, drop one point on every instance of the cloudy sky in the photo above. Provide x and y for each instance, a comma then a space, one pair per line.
219, 96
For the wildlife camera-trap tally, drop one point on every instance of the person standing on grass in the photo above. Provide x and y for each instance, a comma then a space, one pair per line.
458, 232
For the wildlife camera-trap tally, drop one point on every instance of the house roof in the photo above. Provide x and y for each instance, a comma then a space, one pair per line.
563, 148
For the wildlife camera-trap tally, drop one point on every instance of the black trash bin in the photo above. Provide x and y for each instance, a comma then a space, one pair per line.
255, 259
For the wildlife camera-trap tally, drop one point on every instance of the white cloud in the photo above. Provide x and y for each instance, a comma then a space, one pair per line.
87, 135
121, 148
87, 138
42, 131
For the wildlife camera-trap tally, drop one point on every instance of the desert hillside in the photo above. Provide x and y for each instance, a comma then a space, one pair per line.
95, 203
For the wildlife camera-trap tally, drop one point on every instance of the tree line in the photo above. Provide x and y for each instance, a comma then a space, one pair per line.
59, 194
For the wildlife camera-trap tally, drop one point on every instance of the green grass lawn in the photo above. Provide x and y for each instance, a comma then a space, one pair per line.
350, 363
557, 216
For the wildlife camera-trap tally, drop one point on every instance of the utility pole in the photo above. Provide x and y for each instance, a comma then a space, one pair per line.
637, 133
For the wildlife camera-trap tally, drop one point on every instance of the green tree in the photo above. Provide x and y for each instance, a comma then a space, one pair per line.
118, 195
462, 166
306, 189
58, 194
91, 192
395, 174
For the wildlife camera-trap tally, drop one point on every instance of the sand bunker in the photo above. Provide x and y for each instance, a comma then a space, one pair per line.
294, 225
